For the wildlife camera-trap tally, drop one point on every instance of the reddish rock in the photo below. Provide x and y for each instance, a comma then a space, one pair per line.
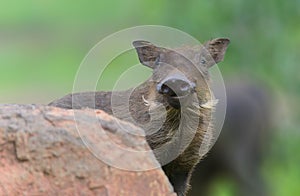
42, 153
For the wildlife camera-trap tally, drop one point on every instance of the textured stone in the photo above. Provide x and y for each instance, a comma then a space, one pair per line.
42, 153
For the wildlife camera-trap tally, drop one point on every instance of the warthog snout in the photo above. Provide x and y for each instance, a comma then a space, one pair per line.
176, 88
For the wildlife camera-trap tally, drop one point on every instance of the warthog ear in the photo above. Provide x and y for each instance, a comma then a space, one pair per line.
216, 48
147, 52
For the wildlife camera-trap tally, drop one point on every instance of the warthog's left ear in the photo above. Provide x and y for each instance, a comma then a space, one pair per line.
216, 48
148, 53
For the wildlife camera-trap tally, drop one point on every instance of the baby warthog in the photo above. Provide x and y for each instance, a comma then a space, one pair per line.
174, 106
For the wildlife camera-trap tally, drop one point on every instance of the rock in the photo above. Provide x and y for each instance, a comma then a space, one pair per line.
52, 151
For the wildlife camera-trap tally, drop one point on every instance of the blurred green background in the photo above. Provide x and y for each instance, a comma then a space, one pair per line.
43, 42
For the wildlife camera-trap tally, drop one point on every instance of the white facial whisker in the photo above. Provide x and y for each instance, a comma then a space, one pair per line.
210, 104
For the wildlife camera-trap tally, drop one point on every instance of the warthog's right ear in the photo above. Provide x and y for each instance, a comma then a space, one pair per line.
148, 53
217, 48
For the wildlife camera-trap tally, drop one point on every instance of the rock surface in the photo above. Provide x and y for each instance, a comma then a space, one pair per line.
42, 153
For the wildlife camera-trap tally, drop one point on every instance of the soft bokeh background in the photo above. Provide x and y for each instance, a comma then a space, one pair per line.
43, 42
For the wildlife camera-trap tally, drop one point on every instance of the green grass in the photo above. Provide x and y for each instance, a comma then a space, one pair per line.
282, 166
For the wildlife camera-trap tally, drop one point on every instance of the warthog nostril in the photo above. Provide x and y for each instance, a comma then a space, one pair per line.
166, 90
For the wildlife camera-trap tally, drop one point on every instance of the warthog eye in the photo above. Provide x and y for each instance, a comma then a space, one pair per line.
202, 61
